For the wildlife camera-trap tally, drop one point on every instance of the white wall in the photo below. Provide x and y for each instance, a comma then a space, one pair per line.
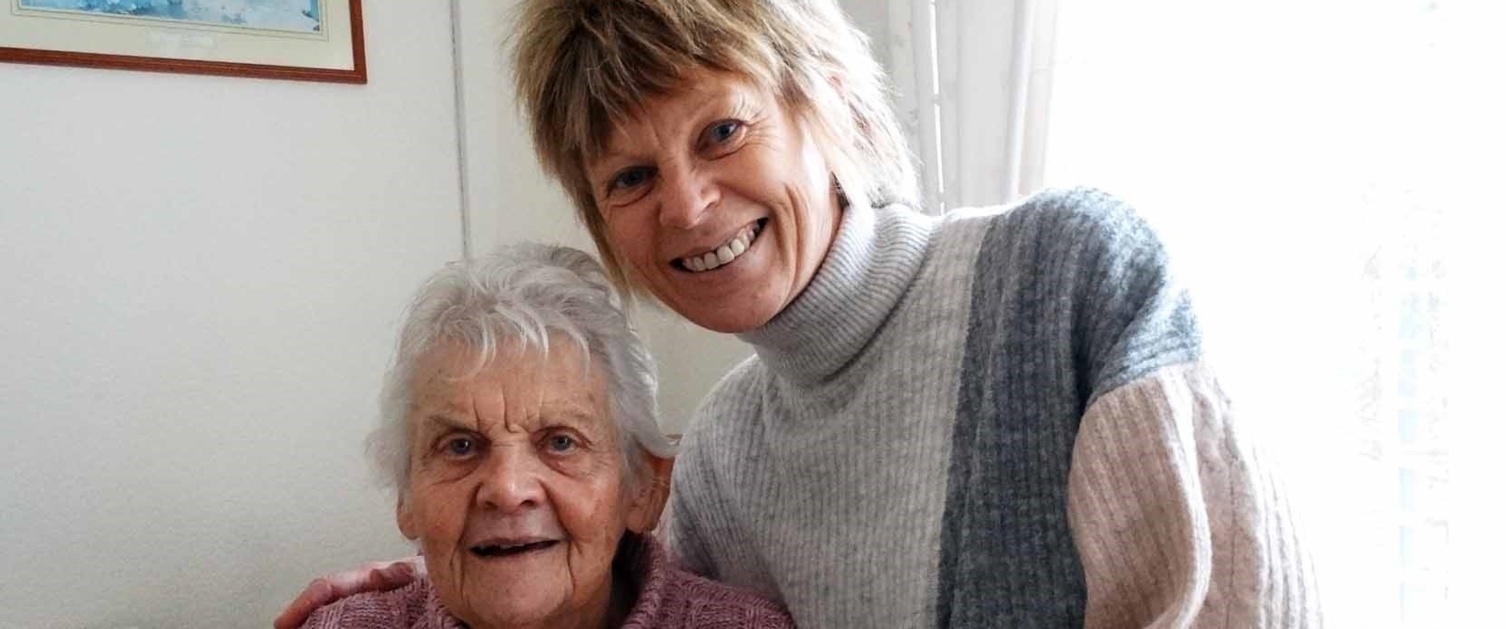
873, 17
200, 279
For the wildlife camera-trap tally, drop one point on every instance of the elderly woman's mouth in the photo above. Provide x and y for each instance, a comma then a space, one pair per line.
509, 548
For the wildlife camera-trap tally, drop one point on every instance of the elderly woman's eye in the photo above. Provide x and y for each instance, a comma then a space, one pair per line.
459, 446
561, 443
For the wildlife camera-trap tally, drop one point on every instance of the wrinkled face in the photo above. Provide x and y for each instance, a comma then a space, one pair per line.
516, 490
717, 201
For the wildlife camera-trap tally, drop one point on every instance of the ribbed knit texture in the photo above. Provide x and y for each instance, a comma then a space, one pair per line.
911, 444
667, 598
1214, 541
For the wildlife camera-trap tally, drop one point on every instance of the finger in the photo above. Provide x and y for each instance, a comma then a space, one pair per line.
391, 577
318, 592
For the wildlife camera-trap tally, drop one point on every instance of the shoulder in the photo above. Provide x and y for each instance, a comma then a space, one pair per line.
1082, 268
1053, 236
719, 428
671, 598
1080, 246
721, 415
709, 603
1059, 220
739, 387
393, 609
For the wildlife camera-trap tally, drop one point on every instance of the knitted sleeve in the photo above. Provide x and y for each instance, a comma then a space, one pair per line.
1177, 520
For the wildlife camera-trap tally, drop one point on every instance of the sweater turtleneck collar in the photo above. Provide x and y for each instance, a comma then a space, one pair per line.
874, 258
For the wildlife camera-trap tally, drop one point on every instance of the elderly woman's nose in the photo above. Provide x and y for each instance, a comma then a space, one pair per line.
686, 196
511, 482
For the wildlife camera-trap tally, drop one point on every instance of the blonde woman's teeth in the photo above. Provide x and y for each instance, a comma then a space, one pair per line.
722, 255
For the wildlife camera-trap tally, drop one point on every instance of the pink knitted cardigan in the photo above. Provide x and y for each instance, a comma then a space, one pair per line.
668, 598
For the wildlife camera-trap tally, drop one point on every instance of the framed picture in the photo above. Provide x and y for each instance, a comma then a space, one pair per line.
310, 40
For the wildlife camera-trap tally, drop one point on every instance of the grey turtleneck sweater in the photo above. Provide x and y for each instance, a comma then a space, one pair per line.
995, 418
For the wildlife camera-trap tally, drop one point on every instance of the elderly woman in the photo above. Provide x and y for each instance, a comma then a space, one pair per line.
998, 417
518, 426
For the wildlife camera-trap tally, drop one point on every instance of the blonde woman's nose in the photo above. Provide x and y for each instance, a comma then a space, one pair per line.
686, 195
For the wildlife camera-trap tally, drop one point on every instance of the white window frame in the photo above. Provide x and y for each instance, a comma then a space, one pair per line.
978, 129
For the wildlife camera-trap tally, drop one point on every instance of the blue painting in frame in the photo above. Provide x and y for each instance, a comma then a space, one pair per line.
313, 40
292, 16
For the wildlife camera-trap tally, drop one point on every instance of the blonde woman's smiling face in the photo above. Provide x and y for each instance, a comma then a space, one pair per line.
517, 491
717, 201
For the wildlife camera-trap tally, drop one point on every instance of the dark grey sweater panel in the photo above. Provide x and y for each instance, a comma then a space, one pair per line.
1070, 299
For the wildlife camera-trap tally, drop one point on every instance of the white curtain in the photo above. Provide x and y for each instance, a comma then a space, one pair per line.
1329, 176
973, 83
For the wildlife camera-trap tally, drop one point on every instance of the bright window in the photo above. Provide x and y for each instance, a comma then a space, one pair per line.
1329, 175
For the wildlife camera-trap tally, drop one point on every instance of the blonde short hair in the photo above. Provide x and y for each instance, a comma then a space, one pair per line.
584, 65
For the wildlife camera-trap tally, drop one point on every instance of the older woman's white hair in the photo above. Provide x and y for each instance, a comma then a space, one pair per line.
527, 294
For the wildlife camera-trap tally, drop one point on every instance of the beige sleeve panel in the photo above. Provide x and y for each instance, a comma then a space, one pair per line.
1176, 521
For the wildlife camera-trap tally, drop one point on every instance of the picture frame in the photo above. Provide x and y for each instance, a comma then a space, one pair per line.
307, 40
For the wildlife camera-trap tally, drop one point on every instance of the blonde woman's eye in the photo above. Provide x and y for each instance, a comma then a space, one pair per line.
630, 178
724, 130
